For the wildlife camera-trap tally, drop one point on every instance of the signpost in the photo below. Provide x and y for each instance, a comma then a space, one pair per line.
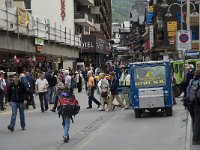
184, 40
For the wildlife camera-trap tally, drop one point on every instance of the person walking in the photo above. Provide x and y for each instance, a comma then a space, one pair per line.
17, 97
2, 89
68, 80
66, 116
79, 78
41, 86
59, 88
114, 92
31, 91
193, 93
103, 86
91, 88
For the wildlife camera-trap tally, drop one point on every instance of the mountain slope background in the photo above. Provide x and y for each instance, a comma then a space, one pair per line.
121, 10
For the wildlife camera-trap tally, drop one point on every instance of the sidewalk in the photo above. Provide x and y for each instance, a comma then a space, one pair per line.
189, 145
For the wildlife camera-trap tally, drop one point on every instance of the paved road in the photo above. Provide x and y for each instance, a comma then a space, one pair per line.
115, 130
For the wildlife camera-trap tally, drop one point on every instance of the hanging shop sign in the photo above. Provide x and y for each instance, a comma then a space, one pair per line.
39, 48
39, 41
184, 40
150, 16
63, 13
171, 34
150, 8
172, 41
151, 36
22, 16
172, 26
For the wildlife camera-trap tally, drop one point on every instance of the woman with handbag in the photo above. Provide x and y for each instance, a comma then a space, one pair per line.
103, 86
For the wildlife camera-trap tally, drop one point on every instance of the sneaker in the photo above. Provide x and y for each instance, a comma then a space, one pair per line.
89, 107
10, 128
65, 139
53, 110
101, 109
23, 128
113, 107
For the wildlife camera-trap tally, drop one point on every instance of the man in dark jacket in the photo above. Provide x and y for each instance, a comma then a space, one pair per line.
114, 92
17, 98
31, 91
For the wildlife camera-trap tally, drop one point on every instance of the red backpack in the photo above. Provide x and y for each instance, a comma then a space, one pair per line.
68, 106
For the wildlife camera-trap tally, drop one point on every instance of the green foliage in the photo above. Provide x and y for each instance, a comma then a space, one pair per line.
121, 10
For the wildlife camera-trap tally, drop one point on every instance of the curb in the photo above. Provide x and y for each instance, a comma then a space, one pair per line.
188, 132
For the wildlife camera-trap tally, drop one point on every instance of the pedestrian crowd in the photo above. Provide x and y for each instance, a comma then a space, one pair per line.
19, 91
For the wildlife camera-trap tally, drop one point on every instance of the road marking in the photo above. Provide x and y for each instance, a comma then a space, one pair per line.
99, 130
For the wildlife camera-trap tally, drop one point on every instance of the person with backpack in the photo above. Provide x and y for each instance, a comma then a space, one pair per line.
193, 94
68, 107
31, 81
27, 86
103, 86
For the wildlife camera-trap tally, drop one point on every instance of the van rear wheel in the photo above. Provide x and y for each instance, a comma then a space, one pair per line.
168, 111
177, 90
138, 113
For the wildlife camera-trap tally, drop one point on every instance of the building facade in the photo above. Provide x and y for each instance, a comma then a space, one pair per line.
43, 36
96, 28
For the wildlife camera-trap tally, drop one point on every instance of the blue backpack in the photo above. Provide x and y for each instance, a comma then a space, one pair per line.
194, 90
26, 84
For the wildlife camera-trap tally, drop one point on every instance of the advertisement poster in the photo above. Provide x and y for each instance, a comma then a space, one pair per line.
22, 17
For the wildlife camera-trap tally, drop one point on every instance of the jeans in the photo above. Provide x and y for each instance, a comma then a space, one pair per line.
43, 101
1, 99
56, 103
14, 107
196, 128
92, 98
31, 100
86, 88
66, 126
51, 94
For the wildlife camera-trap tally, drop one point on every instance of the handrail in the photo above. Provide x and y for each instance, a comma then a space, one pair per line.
40, 30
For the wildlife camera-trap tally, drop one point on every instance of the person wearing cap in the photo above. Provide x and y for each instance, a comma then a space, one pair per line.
2, 89
114, 92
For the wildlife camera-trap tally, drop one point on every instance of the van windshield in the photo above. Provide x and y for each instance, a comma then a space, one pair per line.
146, 77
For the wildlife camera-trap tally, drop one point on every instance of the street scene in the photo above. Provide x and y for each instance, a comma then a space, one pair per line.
118, 130
100, 74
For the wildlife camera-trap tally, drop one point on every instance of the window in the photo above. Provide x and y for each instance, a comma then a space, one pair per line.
195, 32
146, 77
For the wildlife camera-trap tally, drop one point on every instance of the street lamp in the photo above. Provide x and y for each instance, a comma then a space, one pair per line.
181, 5
164, 4
198, 3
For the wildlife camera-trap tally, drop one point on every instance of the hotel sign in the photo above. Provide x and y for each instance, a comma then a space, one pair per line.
63, 13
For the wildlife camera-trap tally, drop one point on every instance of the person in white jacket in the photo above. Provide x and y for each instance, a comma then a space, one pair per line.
103, 86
